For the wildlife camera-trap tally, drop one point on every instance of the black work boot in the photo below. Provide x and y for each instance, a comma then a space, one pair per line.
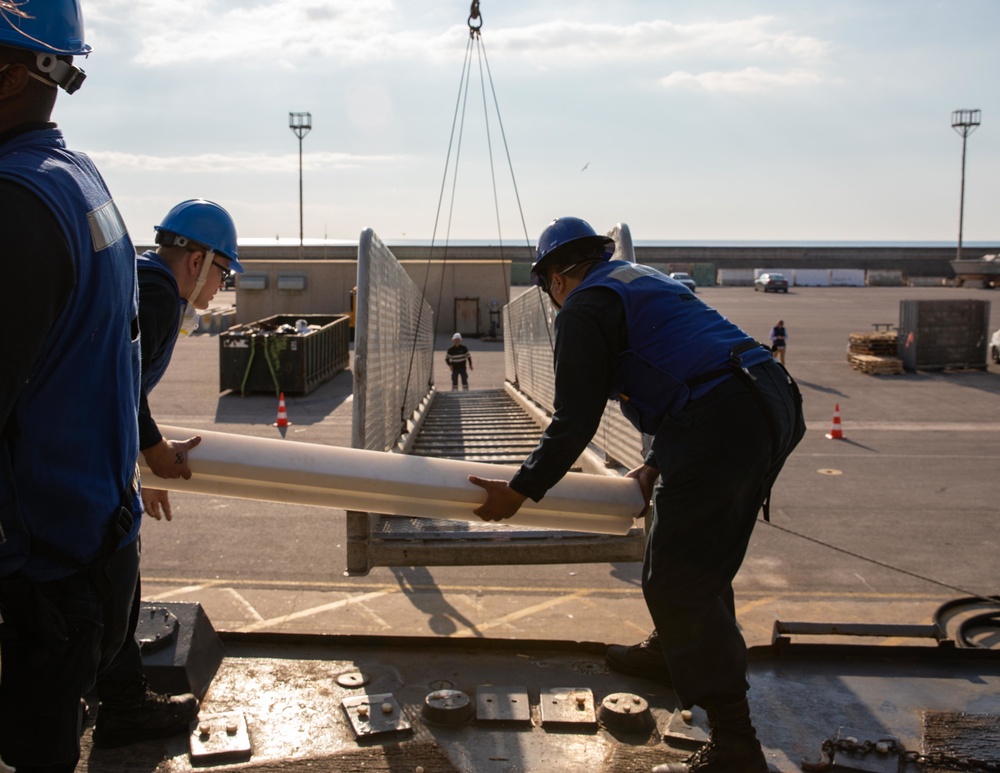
732, 748
643, 659
153, 716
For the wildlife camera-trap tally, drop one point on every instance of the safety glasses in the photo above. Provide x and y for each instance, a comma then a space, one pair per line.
225, 271
538, 278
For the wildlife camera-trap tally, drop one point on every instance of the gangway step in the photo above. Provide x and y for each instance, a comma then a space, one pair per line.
484, 426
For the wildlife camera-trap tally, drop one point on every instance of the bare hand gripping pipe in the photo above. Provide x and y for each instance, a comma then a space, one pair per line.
394, 484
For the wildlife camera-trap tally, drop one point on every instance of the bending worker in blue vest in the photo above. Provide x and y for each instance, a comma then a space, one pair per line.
196, 252
69, 385
723, 415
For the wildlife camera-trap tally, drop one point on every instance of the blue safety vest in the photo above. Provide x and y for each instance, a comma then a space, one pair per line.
73, 455
678, 346
158, 361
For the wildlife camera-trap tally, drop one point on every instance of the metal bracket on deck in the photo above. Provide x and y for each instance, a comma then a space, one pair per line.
783, 630
567, 706
372, 715
220, 738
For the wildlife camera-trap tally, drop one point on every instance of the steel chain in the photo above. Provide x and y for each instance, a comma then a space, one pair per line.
890, 745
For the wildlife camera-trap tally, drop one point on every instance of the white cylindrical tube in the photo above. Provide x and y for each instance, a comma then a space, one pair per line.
394, 484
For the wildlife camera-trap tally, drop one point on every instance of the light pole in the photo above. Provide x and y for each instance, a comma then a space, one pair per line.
300, 123
964, 122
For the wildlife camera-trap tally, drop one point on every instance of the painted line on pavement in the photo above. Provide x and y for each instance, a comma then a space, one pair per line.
313, 611
521, 613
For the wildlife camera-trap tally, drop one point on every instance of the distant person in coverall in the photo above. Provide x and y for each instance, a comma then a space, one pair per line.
69, 392
458, 357
723, 415
779, 341
196, 252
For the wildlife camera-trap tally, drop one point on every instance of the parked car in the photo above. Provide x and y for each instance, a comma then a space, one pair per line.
771, 283
995, 347
685, 279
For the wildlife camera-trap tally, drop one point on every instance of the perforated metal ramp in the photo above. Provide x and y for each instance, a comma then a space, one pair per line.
479, 426
483, 426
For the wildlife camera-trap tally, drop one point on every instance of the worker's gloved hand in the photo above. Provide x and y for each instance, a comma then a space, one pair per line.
156, 504
646, 476
501, 500
169, 458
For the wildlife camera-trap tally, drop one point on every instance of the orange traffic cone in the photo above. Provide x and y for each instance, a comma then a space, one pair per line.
282, 413
836, 433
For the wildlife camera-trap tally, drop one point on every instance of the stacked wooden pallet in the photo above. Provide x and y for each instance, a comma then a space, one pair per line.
875, 353
875, 344
877, 366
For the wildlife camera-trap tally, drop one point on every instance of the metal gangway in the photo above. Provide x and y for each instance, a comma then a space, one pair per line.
398, 409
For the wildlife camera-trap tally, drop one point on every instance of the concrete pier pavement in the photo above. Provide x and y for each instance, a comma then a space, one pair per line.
882, 526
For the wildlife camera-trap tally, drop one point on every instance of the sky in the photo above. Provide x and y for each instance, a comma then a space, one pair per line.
749, 120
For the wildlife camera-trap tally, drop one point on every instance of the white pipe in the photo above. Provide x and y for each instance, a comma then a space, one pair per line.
394, 484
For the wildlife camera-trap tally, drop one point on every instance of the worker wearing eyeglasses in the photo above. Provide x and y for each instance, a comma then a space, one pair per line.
196, 251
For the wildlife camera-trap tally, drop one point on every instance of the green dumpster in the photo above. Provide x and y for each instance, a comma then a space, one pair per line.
290, 353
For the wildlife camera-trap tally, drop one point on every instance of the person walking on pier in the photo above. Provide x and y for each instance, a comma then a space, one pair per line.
724, 415
779, 338
458, 357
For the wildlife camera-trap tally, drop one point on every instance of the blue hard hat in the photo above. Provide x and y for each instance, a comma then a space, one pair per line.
204, 222
564, 231
46, 26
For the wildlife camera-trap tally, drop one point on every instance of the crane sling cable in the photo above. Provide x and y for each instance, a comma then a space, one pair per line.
460, 110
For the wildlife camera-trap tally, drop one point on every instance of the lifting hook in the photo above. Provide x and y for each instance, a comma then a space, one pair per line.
474, 14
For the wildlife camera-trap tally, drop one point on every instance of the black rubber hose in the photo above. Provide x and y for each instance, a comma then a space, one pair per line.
984, 620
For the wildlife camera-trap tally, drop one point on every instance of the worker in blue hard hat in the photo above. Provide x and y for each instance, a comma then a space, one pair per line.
723, 417
69, 505
196, 251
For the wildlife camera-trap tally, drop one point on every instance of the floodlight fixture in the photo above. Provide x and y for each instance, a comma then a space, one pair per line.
301, 125
964, 122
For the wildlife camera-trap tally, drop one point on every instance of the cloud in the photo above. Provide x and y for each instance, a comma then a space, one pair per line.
658, 40
236, 162
191, 31
305, 32
750, 80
